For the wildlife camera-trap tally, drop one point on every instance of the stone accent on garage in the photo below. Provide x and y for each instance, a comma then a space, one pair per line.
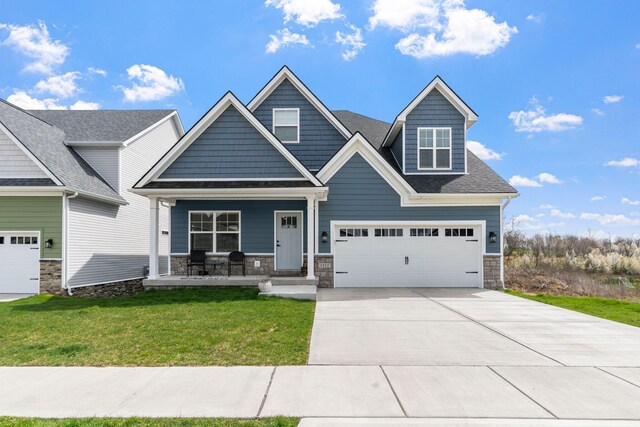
179, 266
324, 270
51, 277
492, 267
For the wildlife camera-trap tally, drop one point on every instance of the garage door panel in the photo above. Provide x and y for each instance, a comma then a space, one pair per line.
19, 263
410, 260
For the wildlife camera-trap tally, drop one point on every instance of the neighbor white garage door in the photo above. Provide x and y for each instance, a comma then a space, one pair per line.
401, 255
19, 263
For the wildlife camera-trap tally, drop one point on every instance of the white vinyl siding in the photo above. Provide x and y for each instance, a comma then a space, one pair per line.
14, 163
110, 243
105, 161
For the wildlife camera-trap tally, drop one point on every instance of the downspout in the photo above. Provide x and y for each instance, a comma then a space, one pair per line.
65, 239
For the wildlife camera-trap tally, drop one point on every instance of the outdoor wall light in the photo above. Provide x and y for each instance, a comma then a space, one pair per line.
493, 237
324, 236
48, 243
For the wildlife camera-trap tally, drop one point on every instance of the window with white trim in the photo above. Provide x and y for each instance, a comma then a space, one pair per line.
387, 232
354, 232
434, 148
214, 232
458, 232
286, 125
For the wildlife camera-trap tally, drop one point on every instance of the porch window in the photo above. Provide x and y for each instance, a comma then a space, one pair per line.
214, 232
434, 148
286, 125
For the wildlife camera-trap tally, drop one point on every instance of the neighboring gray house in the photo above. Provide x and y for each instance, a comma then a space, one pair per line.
66, 218
345, 199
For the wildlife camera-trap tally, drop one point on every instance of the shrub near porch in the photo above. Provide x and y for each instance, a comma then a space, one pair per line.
187, 327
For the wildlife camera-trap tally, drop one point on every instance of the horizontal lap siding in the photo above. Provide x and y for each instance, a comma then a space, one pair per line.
396, 149
256, 221
434, 111
105, 161
43, 214
358, 193
231, 148
15, 163
319, 139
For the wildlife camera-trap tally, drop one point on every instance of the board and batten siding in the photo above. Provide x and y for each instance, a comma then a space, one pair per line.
42, 213
319, 139
396, 149
231, 148
105, 161
14, 163
358, 193
109, 243
435, 111
256, 221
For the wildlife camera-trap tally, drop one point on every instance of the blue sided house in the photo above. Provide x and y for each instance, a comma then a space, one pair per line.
332, 197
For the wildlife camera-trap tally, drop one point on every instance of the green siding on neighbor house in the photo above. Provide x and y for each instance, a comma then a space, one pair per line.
43, 214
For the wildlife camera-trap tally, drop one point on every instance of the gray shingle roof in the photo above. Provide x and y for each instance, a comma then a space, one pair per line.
46, 143
101, 125
26, 182
480, 178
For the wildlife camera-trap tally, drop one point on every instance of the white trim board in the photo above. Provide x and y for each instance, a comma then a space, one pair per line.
229, 99
286, 73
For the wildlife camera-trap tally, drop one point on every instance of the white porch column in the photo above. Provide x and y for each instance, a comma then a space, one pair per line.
311, 228
154, 219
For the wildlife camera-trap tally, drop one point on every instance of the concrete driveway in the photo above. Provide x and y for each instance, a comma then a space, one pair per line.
471, 327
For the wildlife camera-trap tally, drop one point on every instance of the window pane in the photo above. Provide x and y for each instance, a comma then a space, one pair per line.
434, 232
442, 158
365, 232
287, 133
227, 221
227, 242
285, 117
426, 158
425, 138
202, 241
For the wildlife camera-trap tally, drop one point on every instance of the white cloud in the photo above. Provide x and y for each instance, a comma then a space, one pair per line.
535, 18
530, 224
285, 38
84, 105
597, 198
547, 206
36, 43
482, 151
406, 15
597, 112
540, 215
627, 201
610, 219
352, 43
558, 214
627, 162
521, 181
23, 100
612, 99
150, 84
548, 178
307, 12
99, 71
62, 86
536, 119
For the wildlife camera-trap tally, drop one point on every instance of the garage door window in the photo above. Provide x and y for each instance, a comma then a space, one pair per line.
458, 232
1, 240
423, 232
24, 240
354, 232
388, 232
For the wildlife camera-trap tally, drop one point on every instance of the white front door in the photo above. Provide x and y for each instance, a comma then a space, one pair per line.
19, 263
399, 255
288, 240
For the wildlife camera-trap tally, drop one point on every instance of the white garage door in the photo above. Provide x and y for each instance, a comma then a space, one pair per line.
408, 256
19, 263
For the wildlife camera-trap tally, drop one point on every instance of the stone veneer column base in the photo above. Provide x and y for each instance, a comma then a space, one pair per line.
492, 267
51, 277
324, 270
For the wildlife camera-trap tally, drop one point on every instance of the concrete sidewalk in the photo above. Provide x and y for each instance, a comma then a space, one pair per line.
393, 392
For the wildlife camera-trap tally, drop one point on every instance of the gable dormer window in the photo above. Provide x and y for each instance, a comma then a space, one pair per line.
434, 148
286, 125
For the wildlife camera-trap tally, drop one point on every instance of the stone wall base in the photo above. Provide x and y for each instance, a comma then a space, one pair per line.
51, 277
117, 289
324, 270
179, 267
492, 267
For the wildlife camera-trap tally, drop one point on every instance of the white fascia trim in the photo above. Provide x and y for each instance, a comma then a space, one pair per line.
152, 127
29, 154
441, 86
286, 73
231, 193
227, 100
98, 197
94, 143
225, 179
32, 191
358, 144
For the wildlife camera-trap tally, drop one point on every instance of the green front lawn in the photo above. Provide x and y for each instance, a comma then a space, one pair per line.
620, 311
146, 422
186, 327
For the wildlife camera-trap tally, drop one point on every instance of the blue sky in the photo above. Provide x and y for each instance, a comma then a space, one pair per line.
555, 84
